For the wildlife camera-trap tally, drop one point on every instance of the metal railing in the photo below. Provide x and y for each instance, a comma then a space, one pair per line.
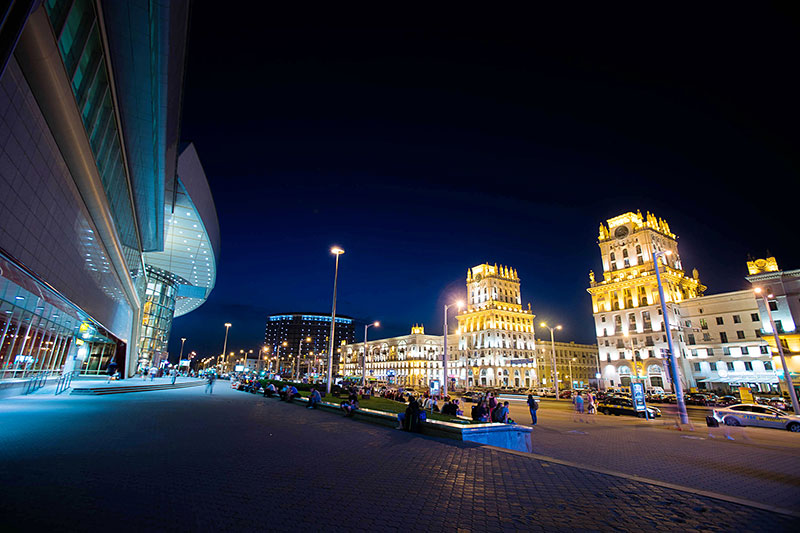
36, 382
65, 381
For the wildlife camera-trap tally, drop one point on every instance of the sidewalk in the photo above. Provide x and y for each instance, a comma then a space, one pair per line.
187, 461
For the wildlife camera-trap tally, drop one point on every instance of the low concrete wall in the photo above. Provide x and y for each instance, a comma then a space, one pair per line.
509, 436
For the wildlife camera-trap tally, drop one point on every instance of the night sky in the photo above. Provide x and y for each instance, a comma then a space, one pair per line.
424, 144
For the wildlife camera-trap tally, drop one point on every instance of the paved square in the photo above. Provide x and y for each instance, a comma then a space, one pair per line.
182, 460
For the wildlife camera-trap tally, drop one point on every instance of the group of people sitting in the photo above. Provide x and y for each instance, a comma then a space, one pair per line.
350, 405
488, 409
398, 395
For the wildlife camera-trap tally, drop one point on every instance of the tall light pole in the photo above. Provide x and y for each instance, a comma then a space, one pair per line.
225, 346
458, 304
278, 354
183, 341
244, 358
553, 352
264, 352
300, 349
786, 376
337, 252
571, 377
634, 367
676, 380
364, 359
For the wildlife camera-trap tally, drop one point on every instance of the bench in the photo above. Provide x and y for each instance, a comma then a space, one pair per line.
510, 436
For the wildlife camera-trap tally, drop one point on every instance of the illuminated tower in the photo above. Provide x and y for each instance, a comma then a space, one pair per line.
626, 306
496, 344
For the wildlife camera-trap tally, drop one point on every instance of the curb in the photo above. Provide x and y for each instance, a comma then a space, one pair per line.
663, 484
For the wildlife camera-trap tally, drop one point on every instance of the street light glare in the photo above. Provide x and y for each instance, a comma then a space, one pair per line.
336, 250
227, 325
460, 304
558, 327
376, 324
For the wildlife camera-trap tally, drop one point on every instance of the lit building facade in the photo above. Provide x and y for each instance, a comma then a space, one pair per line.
626, 305
724, 348
89, 174
496, 344
717, 338
782, 288
409, 360
576, 364
295, 328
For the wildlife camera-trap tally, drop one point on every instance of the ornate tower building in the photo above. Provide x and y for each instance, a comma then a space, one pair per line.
496, 344
626, 305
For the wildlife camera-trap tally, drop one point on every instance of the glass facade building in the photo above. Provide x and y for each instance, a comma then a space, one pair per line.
295, 328
107, 225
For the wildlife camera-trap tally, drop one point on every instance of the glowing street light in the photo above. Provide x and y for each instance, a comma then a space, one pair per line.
225, 345
299, 350
458, 304
786, 376
278, 354
553, 353
337, 252
183, 340
364, 359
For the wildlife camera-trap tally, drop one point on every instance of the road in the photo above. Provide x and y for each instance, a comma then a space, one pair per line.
757, 464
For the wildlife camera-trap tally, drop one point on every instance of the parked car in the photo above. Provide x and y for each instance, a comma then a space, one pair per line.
724, 401
565, 394
471, 396
698, 399
619, 405
654, 397
778, 403
750, 414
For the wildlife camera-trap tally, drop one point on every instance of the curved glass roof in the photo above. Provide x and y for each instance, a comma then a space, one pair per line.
191, 237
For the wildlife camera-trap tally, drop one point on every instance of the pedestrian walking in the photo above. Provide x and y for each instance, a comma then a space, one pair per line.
577, 399
533, 406
590, 403
210, 383
174, 375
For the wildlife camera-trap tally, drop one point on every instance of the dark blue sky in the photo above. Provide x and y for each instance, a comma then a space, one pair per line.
428, 145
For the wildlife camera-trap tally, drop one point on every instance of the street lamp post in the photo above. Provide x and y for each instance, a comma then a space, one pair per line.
571, 377
278, 354
676, 380
300, 349
364, 359
786, 376
634, 367
553, 352
458, 304
180, 356
225, 346
337, 252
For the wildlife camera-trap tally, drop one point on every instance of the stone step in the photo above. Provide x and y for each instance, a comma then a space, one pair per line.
123, 389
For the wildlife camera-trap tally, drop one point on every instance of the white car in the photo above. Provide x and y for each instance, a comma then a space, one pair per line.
750, 414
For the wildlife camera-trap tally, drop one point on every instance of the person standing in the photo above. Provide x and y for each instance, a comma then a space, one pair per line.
492, 405
210, 383
174, 375
533, 406
578, 401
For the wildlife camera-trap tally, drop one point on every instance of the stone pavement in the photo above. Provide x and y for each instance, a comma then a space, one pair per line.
759, 464
181, 460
